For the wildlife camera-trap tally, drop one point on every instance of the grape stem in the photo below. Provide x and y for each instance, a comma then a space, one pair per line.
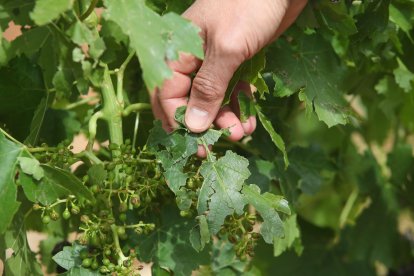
57, 202
93, 125
136, 107
90, 9
120, 79
42, 149
118, 249
89, 154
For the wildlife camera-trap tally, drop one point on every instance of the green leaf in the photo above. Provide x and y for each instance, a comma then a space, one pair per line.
267, 205
402, 20
45, 191
291, 236
249, 72
97, 174
23, 260
309, 165
37, 121
403, 77
337, 18
46, 11
174, 34
81, 34
224, 260
9, 154
169, 245
68, 181
276, 138
69, 257
21, 85
309, 65
31, 166
247, 107
220, 193
200, 234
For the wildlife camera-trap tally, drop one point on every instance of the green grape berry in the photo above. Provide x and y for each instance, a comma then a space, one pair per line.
95, 241
104, 270
123, 207
122, 217
95, 189
111, 267
84, 254
185, 214
54, 215
106, 261
107, 252
120, 230
75, 210
94, 265
135, 201
86, 262
46, 219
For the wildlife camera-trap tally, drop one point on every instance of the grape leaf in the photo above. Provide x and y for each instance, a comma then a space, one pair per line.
225, 261
267, 205
69, 257
174, 149
68, 181
9, 152
292, 236
97, 174
247, 107
21, 85
174, 34
220, 193
249, 72
200, 234
37, 121
309, 65
45, 191
169, 246
46, 11
276, 138
23, 261
403, 77
31, 166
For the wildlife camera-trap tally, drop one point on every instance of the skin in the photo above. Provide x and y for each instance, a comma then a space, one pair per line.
233, 31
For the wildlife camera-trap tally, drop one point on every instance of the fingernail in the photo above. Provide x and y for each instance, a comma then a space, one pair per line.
197, 119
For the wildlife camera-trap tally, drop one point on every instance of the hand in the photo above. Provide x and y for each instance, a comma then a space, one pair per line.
233, 31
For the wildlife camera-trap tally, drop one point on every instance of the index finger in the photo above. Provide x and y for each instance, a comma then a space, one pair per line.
174, 92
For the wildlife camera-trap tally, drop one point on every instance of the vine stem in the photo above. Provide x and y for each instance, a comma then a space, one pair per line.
120, 78
118, 249
93, 124
88, 154
112, 111
90, 9
136, 107
10, 137
81, 102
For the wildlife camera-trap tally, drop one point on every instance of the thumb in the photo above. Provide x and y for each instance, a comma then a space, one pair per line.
208, 90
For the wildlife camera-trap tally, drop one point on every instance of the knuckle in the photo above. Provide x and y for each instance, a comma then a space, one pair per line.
233, 46
207, 88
